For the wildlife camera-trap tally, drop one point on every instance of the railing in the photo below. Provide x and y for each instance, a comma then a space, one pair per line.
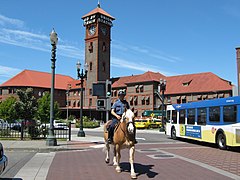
22, 131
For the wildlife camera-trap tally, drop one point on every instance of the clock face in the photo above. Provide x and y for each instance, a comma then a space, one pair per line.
92, 30
104, 30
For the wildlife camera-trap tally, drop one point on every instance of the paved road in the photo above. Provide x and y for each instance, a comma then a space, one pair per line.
171, 161
16, 160
157, 157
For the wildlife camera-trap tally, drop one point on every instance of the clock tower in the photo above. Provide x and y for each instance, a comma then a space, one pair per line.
98, 25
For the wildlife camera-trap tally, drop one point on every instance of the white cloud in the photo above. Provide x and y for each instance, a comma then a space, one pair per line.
10, 21
38, 42
147, 51
8, 72
122, 63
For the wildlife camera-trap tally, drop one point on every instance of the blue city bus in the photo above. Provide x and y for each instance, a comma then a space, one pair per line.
213, 121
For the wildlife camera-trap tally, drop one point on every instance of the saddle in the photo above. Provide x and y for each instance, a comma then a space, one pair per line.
108, 123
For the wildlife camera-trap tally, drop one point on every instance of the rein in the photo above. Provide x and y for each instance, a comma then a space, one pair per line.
126, 135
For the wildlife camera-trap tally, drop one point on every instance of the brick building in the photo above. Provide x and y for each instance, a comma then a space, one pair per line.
40, 82
142, 89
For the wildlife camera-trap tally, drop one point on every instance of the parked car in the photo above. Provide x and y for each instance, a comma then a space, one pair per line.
156, 123
4, 124
3, 159
15, 125
59, 125
142, 123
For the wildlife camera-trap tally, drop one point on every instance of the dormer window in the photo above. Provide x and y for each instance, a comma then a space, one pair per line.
187, 83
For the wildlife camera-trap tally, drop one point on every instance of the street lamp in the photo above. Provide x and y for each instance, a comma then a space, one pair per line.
51, 139
162, 85
81, 76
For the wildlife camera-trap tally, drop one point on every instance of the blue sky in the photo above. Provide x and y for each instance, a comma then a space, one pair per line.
172, 37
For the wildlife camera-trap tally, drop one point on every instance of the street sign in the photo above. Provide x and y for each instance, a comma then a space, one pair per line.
101, 104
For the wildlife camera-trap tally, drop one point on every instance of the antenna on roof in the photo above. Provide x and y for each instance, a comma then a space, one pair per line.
98, 4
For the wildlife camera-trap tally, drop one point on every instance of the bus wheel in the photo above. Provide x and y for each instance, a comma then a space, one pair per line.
221, 141
173, 133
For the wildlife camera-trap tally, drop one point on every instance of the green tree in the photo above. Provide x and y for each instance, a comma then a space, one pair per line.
7, 110
43, 111
26, 106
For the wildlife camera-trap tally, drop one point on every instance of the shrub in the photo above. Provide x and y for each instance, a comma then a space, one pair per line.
89, 124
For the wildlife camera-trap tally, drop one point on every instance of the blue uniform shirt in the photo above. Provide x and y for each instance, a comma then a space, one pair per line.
119, 106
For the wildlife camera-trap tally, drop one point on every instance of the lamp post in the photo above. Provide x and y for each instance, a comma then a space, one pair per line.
51, 139
162, 85
81, 76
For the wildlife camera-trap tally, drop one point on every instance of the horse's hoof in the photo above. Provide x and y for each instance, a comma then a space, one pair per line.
134, 176
118, 169
107, 161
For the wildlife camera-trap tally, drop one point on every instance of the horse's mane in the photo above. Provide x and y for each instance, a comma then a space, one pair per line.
129, 114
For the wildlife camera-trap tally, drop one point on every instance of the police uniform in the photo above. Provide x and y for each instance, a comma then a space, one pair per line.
119, 108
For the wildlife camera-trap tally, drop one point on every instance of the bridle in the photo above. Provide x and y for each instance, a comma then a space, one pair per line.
127, 133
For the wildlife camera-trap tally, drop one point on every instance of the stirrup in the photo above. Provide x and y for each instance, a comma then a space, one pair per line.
110, 141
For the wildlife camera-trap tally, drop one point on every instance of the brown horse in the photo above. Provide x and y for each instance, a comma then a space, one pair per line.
123, 138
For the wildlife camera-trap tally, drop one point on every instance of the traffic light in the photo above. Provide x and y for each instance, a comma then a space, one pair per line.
108, 88
101, 104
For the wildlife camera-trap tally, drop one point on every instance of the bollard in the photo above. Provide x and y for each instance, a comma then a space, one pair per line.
22, 127
69, 131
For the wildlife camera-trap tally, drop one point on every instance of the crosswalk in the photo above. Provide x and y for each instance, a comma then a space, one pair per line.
37, 167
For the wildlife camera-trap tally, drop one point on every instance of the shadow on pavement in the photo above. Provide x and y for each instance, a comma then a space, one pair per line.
140, 169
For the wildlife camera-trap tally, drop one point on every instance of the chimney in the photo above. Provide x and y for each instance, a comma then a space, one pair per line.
238, 68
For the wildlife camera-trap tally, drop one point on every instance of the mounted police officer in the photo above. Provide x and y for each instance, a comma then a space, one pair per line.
117, 110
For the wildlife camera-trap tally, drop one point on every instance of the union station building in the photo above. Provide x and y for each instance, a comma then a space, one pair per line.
141, 90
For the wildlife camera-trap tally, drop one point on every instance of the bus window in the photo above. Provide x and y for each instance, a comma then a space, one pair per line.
182, 116
168, 115
201, 116
214, 114
191, 116
174, 117
230, 113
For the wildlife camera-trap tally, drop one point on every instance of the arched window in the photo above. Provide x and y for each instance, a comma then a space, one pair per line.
104, 66
104, 48
90, 68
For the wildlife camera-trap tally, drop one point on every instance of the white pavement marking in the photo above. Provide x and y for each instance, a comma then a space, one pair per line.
98, 146
37, 167
141, 138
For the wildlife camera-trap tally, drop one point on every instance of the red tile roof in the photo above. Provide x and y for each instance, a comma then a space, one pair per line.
98, 10
201, 82
38, 79
182, 84
146, 77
